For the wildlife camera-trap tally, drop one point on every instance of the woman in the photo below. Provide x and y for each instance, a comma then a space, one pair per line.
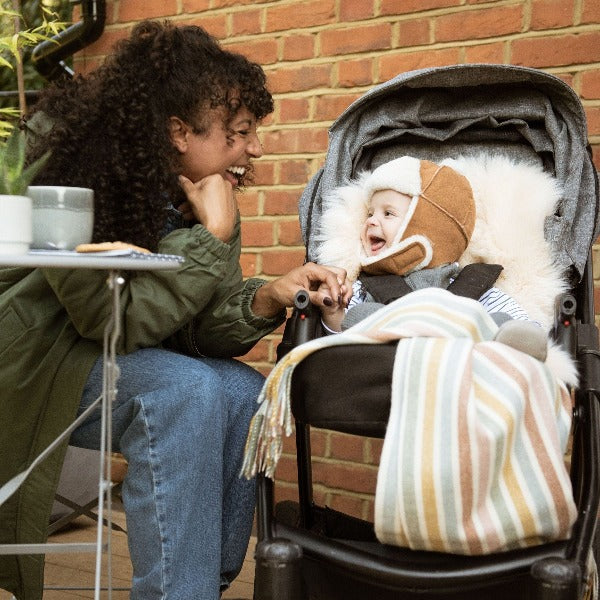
164, 132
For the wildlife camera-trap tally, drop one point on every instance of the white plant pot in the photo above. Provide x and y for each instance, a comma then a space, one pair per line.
15, 224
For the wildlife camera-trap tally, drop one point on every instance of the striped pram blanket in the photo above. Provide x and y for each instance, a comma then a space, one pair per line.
472, 460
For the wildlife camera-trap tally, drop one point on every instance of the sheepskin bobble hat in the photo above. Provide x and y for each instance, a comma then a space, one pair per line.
439, 221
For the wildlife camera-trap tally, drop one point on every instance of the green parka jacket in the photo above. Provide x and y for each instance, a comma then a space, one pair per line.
52, 325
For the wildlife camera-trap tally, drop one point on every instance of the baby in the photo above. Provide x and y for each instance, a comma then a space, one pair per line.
419, 220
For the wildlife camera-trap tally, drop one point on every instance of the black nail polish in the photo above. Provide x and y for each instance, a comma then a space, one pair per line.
328, 302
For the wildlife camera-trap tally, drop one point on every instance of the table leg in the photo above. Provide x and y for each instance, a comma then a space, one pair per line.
110, 375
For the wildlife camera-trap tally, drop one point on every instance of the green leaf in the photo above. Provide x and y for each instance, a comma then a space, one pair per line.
14, 176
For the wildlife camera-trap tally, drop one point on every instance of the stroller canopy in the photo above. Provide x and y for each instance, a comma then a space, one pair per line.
463, 110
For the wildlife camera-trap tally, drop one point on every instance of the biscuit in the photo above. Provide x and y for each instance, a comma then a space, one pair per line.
103, 246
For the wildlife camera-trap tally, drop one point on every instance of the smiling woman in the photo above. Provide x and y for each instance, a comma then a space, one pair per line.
164, 133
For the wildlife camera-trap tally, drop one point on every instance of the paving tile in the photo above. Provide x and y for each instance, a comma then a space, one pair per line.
70, 570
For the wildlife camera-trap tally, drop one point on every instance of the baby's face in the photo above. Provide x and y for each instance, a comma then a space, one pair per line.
387, 210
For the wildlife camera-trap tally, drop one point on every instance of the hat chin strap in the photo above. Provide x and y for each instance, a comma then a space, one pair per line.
412, 254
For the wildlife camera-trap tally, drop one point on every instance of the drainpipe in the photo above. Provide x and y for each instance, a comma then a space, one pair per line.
48, 56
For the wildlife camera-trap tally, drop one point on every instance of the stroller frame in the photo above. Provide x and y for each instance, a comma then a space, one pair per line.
309, 551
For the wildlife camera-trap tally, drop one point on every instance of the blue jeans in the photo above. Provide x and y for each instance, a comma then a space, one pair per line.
181, 423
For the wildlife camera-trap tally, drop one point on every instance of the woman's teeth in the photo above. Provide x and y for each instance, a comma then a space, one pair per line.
238, 172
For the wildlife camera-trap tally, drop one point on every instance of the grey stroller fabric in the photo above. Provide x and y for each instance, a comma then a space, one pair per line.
463, 110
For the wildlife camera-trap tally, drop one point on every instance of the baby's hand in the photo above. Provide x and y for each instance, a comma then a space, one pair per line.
334, 309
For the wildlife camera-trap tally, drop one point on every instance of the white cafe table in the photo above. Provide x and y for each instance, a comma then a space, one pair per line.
113, 262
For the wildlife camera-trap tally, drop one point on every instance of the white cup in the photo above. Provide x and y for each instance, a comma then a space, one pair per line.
63, 217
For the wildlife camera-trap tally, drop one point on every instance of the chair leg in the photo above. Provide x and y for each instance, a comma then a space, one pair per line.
278, 574
78, 510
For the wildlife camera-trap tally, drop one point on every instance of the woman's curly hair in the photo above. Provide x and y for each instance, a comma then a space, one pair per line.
111, 129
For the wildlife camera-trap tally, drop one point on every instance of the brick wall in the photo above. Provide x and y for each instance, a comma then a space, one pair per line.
319, 56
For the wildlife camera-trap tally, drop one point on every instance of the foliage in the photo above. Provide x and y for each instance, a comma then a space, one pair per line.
20, 31
14, 176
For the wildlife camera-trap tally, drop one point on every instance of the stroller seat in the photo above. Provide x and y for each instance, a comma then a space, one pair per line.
309, 551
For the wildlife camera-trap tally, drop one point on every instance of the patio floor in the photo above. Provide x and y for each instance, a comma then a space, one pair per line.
66, 574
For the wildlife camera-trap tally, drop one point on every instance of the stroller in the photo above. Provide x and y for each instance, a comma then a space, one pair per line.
309, 551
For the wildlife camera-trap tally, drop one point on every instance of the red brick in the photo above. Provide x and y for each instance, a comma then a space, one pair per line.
345, 476
550, 14
392, 64
477, 24
320, 496
296, 79
356, 39
596, 156
105, 43
259, 353
590, 84
597, 300
590, 12
369, 511
486, 53
396, 7
226, 3
137, 10
248, 263
350, 505
293, 172
264, 370
567, 78
289, 141
355, 72
289, 233
351, 10
216, 25
262, 51
347, 447
257, 233
194, 6
285, 491
264, 171
245, 22
281, 202
298, 47
593, 119
319, 441
280, 262
414, 33
329, 107
293, 110
248, 203
301, 14
286, 469
373, 450
557, 50
288, 444
84, 66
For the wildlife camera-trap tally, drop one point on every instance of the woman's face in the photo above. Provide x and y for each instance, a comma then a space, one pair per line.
223, 149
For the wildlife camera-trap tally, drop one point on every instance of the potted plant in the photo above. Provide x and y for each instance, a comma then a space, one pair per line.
15, 205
